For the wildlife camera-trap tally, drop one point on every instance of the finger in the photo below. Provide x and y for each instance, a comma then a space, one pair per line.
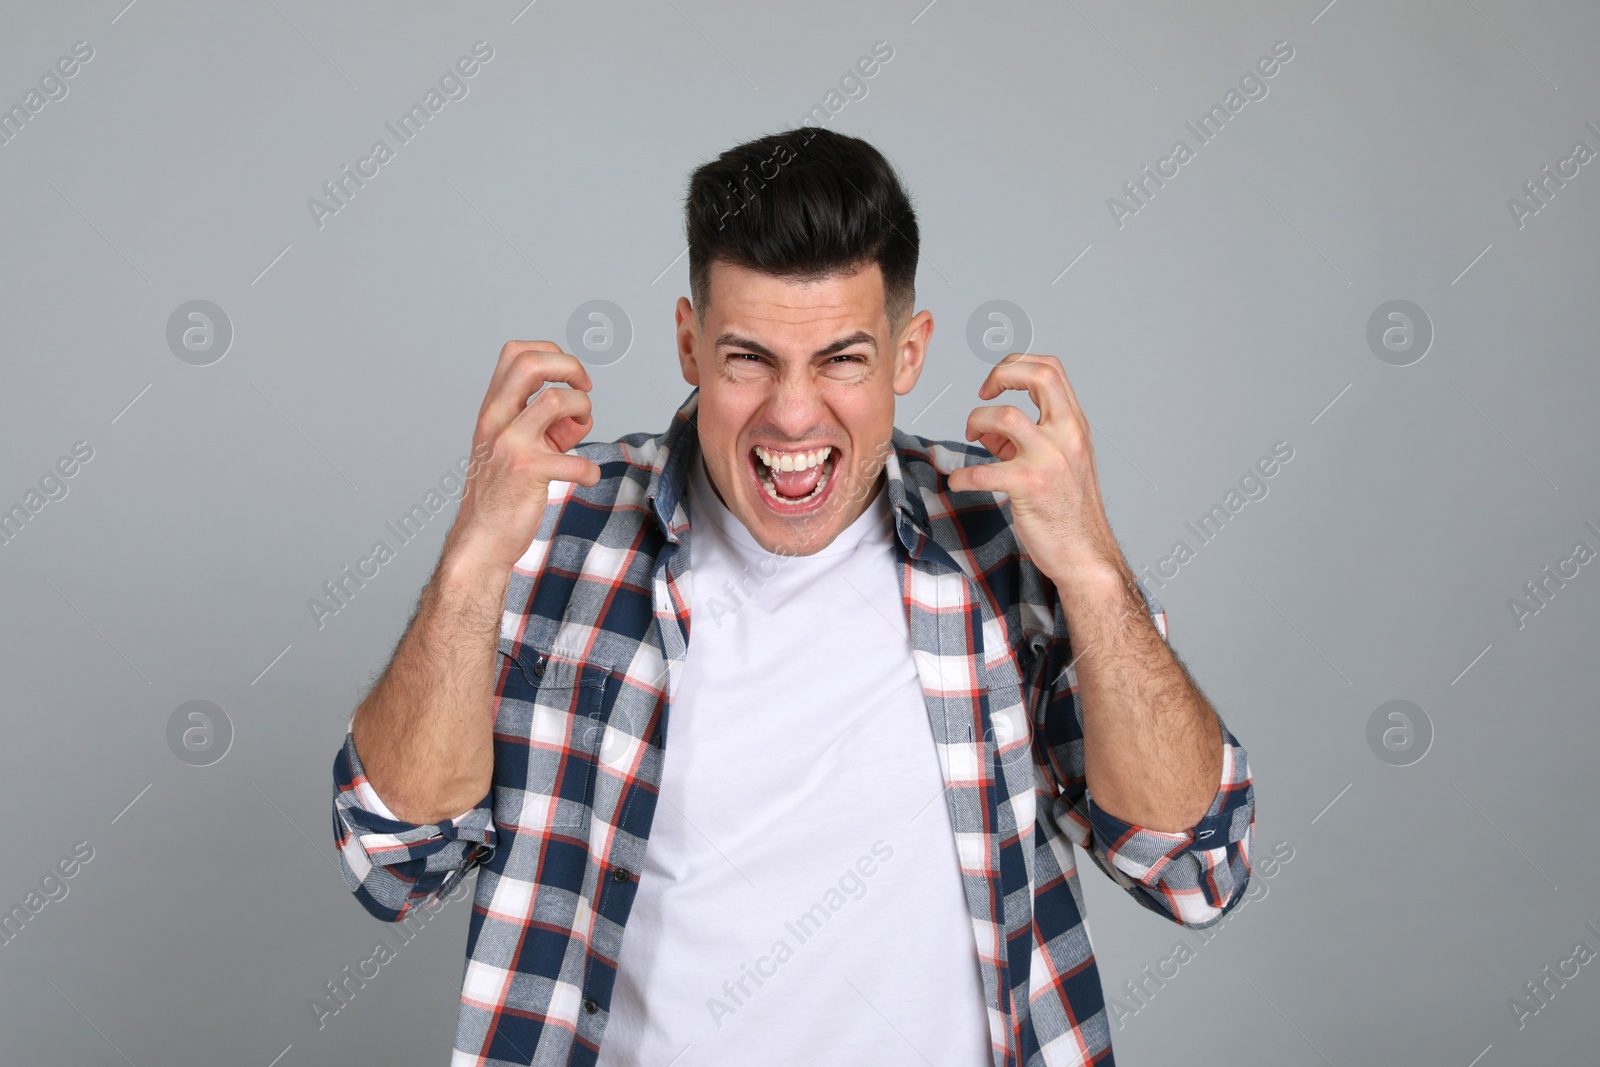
573, 469
522, 375
528, 371
1004, 429
1049, 361
555, 421
982, 477
1066, 384
527, 365
510, 351
1040, 376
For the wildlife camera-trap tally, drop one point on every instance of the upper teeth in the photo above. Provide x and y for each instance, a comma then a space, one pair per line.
793, 461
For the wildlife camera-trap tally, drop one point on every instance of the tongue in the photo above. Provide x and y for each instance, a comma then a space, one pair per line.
797, 484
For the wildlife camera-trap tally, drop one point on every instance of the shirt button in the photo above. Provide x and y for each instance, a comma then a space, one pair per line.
619, 875
590, 1006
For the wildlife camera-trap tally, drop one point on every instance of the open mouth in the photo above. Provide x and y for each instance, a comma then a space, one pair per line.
794, 481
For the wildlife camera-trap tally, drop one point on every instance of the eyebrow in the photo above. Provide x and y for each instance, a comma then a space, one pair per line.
733, 340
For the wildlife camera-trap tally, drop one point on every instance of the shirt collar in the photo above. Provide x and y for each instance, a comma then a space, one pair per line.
680, 446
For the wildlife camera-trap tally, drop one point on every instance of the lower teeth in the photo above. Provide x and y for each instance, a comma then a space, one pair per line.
772, 490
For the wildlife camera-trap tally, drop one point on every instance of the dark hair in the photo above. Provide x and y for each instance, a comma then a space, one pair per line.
804, 204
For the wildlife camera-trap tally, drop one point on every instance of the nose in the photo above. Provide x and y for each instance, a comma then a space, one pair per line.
796, 407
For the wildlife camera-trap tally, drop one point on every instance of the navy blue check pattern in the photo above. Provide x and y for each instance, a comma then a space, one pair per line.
597, 625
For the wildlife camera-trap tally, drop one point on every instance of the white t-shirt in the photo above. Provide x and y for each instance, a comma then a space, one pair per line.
801, 898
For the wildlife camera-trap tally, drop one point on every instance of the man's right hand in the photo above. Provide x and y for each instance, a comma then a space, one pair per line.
425, 732
519, 448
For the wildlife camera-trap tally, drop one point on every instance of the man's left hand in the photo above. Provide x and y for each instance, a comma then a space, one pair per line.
1046, 470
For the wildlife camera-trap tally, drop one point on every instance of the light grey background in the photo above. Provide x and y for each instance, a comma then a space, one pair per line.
1228, 314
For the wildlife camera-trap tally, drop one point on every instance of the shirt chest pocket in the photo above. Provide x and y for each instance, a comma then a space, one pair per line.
1011, 732
1010, 727
550, 736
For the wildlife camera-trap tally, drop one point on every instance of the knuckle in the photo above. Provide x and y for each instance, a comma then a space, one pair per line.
546, 402
562, 398
539, 354
518, 349
559, 401
518, 457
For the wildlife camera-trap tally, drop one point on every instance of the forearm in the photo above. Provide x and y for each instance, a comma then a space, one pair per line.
425, 733
1152, 744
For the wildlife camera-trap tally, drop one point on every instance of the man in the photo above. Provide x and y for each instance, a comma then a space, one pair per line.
919, 673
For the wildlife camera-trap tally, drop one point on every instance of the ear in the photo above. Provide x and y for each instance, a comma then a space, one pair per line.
911, 352
688, 336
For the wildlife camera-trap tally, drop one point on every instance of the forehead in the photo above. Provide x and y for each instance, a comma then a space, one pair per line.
749, 299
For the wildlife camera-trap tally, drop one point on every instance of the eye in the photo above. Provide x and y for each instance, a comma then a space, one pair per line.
848, 357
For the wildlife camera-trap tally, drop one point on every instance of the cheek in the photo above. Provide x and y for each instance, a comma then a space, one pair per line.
728, 455
724, 413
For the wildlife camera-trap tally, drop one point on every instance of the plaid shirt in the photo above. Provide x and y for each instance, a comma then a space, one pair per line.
595, 631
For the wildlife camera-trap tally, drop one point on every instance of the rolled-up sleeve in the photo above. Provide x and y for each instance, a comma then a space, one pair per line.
1193, 877
393, 866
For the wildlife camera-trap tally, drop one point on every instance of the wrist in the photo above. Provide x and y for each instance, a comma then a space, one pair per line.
469, 573
467, 553
1098, 579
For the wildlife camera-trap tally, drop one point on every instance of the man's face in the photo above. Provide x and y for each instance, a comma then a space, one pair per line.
792, 373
